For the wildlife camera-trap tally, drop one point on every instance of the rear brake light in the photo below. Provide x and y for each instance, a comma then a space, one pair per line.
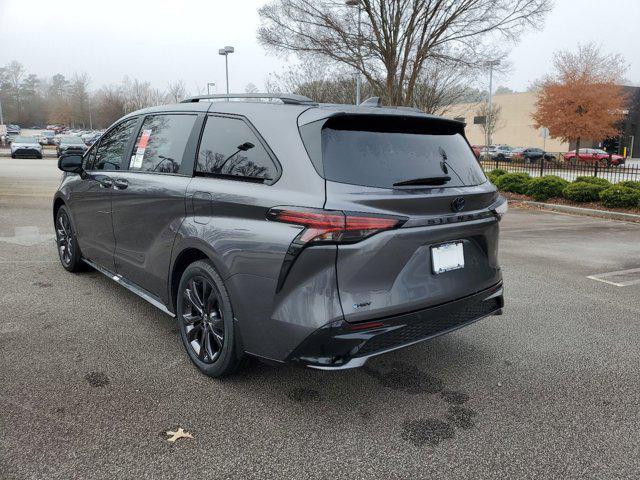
333, 226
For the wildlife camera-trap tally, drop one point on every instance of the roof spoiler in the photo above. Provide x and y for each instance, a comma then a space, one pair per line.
377, 102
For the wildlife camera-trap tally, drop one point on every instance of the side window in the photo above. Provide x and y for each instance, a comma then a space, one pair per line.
90, 158
229, 147
108, 155
161, 143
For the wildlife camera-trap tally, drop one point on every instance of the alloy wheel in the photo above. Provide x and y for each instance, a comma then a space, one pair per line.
202, 318
64, 236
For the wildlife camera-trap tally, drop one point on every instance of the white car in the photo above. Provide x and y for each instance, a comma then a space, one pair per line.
26, 147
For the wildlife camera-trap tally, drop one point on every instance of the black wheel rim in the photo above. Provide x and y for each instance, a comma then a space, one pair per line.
202, 319
64, 236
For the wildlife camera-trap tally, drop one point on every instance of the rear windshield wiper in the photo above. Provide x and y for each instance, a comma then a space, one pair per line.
440, 180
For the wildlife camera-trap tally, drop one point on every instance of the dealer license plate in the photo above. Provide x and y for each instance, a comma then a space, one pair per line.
447, 257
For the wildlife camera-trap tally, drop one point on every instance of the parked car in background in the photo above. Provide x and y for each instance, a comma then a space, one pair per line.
531, 155
25, 147
70, 144
47, 137
593, 155
13, 129
58, 129
477, 151
90, 138
501, 153
296, 244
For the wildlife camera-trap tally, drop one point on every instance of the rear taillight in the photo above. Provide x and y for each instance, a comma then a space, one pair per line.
327, 227
333, 226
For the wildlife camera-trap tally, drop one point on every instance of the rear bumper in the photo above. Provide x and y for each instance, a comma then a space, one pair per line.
341, 345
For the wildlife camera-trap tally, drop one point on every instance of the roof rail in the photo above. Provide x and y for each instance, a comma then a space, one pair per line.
287, 98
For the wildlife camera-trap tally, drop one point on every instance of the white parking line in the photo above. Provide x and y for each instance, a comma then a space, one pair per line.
605, 277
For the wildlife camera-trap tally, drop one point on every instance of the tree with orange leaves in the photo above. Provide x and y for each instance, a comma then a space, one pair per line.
583, 99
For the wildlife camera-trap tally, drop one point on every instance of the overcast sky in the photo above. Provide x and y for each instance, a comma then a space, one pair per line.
162, 40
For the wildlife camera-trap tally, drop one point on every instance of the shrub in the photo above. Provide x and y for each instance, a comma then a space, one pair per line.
583, 192
594, 180
620, 197
514, 182
630, 184
494, 174
546, 187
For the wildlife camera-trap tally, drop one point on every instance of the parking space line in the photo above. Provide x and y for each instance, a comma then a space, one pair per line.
604, 277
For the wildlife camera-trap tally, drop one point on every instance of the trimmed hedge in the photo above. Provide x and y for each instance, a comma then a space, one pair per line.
514, 182
494, 174
620, 197
594, 180
544, 188
630, 184
583, 192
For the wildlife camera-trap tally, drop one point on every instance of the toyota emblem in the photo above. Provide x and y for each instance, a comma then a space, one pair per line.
458, 204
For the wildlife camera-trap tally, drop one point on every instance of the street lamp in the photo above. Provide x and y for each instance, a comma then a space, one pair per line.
490, 64
356, 3
226, 51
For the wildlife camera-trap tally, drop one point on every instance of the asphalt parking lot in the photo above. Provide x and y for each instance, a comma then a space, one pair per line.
91, 376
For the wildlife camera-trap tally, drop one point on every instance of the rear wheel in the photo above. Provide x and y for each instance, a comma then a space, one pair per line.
205, 319
68, 249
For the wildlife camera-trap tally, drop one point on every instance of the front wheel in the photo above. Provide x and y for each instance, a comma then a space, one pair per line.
206, 322
68, 249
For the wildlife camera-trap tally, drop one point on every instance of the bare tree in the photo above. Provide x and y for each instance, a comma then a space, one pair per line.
141, 95
78, 99
317, 80
399, 37
176, 91
440, 86
492, 123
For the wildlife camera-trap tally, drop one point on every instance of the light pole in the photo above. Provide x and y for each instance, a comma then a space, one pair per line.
356, 3
226, 51
490, 64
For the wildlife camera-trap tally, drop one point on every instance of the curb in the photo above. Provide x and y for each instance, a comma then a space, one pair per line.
589, 212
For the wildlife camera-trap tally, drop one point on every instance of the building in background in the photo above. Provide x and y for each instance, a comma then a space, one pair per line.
515, 125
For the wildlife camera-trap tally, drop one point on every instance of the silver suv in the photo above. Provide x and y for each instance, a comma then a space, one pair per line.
279, 228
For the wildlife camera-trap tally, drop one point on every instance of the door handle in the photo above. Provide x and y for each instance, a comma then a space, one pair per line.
105, 183
121, 183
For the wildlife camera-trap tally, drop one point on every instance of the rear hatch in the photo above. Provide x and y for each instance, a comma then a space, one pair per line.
423, 171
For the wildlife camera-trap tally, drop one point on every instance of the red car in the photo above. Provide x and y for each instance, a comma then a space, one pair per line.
593, 155
476, 151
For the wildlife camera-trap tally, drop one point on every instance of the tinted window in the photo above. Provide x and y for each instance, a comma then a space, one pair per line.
72, 140
229, 147
109, 153
161, 143
378, 151
20, 139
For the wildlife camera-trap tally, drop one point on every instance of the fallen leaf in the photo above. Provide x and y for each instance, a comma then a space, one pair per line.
180, 433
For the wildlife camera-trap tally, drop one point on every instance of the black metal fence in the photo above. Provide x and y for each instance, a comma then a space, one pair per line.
569, 170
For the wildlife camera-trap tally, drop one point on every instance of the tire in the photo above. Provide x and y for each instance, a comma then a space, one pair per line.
205, 320
13, 156
66, 242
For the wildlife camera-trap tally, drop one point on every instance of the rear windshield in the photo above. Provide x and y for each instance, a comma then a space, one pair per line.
379, 150
72, 140
21, 139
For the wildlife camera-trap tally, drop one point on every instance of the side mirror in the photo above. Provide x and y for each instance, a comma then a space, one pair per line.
70, 163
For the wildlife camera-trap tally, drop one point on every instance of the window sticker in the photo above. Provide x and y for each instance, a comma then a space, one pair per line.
136, 160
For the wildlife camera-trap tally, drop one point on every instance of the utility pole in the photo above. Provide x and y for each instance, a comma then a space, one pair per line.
490, 64
226, 51
354, 3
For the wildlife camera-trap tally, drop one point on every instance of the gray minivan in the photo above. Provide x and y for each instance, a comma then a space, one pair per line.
287, 230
